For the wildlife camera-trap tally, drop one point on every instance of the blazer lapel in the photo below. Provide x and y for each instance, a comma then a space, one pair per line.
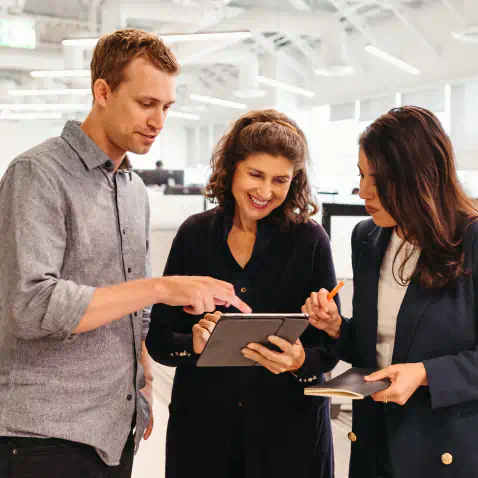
411, 311
366, 290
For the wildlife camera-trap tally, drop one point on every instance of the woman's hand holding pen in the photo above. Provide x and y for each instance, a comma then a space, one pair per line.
203, 330
323, 312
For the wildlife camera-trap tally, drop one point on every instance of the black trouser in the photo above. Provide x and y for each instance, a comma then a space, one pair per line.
54, 458
237, 457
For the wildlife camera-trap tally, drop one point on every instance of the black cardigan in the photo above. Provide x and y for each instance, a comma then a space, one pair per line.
295, 263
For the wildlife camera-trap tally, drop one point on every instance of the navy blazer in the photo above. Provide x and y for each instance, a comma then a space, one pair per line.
214, 409
436, 327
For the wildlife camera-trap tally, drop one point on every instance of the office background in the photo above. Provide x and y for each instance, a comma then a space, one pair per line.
332, 65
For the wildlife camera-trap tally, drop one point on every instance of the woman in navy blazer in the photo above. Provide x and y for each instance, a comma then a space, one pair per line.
250, 422
425, 424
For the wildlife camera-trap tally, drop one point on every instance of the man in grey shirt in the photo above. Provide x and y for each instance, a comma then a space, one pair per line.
74, 292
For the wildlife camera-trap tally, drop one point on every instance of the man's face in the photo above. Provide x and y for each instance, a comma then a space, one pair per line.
134, 113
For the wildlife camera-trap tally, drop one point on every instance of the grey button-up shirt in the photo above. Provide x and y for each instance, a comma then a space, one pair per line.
69, 224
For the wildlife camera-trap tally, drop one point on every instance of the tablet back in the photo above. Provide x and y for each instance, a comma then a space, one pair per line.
230, 335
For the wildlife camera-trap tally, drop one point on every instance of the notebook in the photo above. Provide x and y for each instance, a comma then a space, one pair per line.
350, 384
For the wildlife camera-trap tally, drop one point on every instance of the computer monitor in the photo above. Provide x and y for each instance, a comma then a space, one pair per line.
177, 175
159, 177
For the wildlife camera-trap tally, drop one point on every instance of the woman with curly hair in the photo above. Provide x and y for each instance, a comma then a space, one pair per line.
250, 421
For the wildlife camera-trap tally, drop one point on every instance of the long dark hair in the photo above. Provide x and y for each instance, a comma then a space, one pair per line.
412, 159
271, 132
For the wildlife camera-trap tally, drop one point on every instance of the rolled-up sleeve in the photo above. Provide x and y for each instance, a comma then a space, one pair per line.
36, 301
148, 271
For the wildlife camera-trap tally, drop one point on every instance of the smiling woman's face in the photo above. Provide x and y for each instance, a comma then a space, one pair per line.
260, 184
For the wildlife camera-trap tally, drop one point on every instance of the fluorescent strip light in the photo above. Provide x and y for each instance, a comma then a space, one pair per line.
373, 50
171, 37
60, 73
30, 116
178, 114
44, 107
344, 70
83, 42
205, 36
62, 92
218, 101
285, 86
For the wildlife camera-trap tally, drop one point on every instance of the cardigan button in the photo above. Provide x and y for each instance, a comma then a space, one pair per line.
447, 459
352, 436
243, 289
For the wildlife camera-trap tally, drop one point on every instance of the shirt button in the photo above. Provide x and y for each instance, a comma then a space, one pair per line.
136, 314
129, 270
124, 231
243, 289
15, 451
129, 398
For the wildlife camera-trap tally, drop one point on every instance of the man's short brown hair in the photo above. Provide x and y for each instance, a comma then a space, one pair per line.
115, 51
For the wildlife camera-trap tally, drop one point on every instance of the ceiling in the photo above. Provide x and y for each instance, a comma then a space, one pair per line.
290, 40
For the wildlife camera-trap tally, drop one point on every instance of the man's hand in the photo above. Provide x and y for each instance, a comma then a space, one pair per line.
148, 394
203, 330
198, 294
147, 391
290, 359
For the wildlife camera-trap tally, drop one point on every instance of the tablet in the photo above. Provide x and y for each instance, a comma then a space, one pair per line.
234, 331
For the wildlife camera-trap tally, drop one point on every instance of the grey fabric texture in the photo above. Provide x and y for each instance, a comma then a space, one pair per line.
69, 225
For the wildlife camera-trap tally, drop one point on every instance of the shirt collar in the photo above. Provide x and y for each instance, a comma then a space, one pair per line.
90, 153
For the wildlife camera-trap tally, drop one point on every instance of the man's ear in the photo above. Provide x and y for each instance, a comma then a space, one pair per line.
101, 92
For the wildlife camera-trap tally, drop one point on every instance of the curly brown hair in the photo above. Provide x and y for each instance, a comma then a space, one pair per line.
270, 132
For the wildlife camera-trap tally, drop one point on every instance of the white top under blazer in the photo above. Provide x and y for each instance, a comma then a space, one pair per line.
390, 296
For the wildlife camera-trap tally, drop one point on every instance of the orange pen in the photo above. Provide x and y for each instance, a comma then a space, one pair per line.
334, 291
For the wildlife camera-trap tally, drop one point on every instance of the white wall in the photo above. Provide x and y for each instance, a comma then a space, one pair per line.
170, 148
19, 136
